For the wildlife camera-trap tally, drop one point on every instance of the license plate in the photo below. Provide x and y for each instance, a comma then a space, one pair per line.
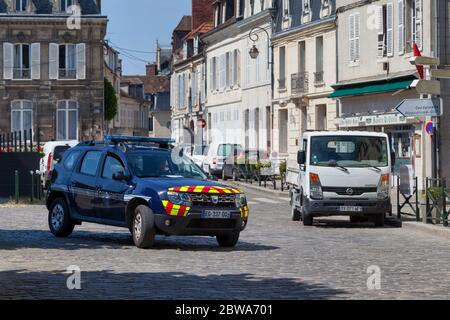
216, 214
350, 209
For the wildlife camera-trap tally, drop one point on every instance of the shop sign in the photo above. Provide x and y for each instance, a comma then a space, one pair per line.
373, 120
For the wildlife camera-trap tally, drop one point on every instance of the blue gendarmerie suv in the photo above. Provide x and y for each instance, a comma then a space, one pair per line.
142, 184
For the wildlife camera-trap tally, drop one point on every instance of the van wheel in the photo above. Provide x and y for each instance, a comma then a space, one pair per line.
143, 227
358, 219
308, 219
378, 220
228, 240
59, 220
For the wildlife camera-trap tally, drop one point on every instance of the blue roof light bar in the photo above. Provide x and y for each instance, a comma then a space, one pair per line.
114, 138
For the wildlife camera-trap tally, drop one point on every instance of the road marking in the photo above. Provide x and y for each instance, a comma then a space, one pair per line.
265, 200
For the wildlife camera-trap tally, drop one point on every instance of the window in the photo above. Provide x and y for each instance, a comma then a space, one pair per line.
286, 8
67, 120
21, 5
66, 4
325, 3
222, 72
401, 27
236, 66
354, 32
72, 160
90, 163
229, 69
21, 116
318, 76
416, 21
67, 61
112, 166
282, 71
21, 61
306, 7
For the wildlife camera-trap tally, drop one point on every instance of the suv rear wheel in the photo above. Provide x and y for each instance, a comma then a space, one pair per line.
59, 221
143, 227
228, 240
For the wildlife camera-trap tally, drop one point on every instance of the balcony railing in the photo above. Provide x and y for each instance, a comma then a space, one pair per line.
67, 73
318, 77
299, 83
21, 73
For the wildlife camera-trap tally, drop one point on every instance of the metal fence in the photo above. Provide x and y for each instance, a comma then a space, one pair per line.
20, 141
437, 201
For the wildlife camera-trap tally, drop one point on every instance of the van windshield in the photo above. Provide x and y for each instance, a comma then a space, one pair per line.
349, 151
226, 150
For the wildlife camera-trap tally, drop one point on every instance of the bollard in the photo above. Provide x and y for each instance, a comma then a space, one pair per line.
32, 186
16, 173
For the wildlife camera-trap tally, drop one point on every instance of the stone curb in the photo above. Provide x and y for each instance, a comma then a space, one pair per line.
433, 230
257, 188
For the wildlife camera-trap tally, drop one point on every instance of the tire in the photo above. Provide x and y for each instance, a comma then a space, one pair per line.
358, 219
228, 240
59, 220
378, 220
143, 227
308, 220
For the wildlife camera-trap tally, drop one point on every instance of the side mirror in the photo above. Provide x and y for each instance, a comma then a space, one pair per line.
120, 176
393, 158
301, 157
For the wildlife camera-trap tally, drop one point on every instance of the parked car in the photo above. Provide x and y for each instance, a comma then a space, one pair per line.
343, 173
53, 152
136, 183
198, 154
241, 165
218, 154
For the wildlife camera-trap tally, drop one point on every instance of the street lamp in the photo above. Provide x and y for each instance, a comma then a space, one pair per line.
254, 52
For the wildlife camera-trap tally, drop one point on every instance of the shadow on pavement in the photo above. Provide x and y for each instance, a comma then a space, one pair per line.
338, 223
20, 284
39, 239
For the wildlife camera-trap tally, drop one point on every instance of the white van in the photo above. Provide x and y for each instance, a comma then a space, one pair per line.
343, 174
218, 154
53, 152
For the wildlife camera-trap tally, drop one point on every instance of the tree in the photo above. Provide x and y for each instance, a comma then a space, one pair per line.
110, 101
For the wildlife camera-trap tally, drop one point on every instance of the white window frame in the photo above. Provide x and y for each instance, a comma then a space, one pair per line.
21, 110
67, 109
401, 27
64, 5
354, 37
306, 7
23, 4
21, 68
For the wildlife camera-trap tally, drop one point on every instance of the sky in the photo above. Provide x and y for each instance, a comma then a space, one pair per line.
136, 25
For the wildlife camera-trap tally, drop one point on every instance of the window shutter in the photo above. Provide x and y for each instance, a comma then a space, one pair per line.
381, 40
81, 61
401, 26
53, 61
351, 36
8, 63
419, 10
390, 29
357, 34
238, 67
35, 61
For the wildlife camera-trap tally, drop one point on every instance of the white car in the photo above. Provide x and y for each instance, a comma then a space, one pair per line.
53, 152
217, 154
199, 154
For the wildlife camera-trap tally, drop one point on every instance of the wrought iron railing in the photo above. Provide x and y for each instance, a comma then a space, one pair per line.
299, 83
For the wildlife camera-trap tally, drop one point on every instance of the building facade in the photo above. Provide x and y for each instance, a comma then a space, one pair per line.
375, 44
188, 80
305, 67
113, 74
134, 108
51, 62
239, 93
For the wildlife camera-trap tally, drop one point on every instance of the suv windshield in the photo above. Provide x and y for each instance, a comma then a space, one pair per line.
157, 164
350, 151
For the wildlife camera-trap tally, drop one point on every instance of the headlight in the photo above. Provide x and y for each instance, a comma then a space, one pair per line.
383, 187
182, 199
315, 187
241, 200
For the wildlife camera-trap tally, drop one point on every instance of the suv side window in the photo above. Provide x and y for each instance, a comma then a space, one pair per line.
72, 160
111, 167
91, 162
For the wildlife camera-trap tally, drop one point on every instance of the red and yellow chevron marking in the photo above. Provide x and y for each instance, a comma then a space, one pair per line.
244, 212
204, 189
175, 209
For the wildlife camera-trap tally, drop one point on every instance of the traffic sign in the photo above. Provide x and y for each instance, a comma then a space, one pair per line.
201, 123
429, 127
420, 108
427, 87
424, 61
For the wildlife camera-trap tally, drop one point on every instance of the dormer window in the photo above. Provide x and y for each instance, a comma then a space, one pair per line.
196, 45
21, 5
185, 49
262, 4
252, 7
66, 4
286, 8
306, 7
325, 4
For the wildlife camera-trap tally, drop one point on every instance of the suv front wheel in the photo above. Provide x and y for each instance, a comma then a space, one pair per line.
59, 221
143, 227
228, 240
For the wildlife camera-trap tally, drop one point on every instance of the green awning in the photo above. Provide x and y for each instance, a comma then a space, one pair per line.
372, 87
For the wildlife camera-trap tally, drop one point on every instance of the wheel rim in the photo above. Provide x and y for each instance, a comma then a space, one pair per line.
57, 217
137, 226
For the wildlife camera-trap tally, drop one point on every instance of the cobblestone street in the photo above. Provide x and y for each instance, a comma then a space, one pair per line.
275, 259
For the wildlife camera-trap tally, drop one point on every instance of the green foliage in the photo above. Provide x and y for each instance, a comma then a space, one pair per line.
110, 101
283, 167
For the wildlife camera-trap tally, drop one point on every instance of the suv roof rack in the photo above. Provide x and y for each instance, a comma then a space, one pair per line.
128, 142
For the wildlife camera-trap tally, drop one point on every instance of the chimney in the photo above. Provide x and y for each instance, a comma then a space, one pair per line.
151, 70
158, 59
202, 11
